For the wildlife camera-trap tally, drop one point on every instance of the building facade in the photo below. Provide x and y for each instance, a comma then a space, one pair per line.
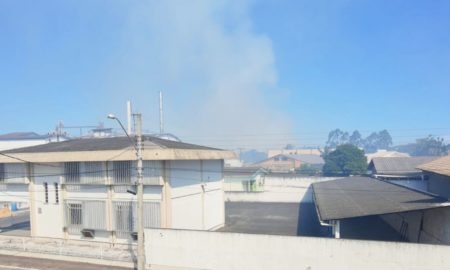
84, 189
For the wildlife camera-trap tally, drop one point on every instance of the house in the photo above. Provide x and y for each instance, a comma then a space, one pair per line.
355, 206
400, 170
244, 179
302, 151
290, 163
438, 172
385, 153
83, 188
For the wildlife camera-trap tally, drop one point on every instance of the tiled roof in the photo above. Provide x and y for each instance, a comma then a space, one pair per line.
439, 166
398, 165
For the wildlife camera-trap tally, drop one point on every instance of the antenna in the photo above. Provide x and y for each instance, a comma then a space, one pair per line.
161, 123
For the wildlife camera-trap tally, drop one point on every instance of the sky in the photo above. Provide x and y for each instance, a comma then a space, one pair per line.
235, 74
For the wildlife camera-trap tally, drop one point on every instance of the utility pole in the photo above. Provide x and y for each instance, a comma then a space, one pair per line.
129, 112
140, 193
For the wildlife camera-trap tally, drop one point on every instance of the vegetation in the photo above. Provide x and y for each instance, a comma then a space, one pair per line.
308, 169
346, 160
429, 146
370, 144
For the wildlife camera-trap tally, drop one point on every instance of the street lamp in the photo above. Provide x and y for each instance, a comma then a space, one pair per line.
140, 185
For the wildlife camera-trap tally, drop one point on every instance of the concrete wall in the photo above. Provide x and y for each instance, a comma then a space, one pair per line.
428, 226
5, 145
197, 194
213, 250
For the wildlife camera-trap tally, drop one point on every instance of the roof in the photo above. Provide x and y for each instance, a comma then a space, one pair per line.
310, 159
115, 148
398, 165
363, 196
385, 153
22, 136
439, 166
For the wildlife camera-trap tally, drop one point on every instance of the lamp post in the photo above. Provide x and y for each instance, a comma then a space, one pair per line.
140, 186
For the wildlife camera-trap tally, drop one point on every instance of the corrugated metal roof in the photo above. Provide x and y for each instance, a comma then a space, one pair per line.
99, 144
398, 165
363, 196
440, 166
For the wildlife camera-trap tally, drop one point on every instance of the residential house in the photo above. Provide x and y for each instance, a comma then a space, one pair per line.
244, 179
385, 153
290, 163
302, 151
83, 188
438, 172
400, 170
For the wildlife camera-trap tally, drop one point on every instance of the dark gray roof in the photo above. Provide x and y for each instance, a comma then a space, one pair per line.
398, 165
99, 144
364, 196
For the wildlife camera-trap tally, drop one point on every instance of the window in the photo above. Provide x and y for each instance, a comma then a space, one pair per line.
46, 192
2, 172
56, 193
72, 172
75, 214
122, 172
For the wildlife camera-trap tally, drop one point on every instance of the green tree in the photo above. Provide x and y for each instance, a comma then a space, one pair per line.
308, 169
356, 138
430, 146
347, 159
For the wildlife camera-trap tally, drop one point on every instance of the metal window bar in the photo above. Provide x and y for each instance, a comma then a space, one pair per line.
15, 173
121, 172
2, 172
56, 193
92, 173
125, 216
46, 192
72, 172
152, 172
85, 215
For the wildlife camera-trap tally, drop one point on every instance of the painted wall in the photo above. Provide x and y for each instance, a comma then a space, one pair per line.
200, 250
197, 194
6, 145
281, 189
49, 216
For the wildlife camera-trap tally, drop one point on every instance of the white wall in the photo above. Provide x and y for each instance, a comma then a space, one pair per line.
281, 189
49, 217
14, 193
5, 145
197, 194
213, 250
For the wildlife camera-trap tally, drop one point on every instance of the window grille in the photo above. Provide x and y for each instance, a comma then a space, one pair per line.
152, 172
14, 172
125, 215
2, 172
121, 172
85, 215
72, 172
46, 192
56, 193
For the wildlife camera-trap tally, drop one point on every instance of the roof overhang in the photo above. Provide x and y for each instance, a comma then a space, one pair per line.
118, 155
363, 196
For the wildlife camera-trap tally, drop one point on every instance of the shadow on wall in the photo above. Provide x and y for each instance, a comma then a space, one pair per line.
308, 221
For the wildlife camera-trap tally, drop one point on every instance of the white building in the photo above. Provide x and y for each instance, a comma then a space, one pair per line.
25, 139
77, 189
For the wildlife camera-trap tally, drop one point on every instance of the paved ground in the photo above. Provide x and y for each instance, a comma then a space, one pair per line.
272, 218
24, 263
299, 219
17, 225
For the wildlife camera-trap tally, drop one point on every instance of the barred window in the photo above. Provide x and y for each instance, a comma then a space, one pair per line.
46, 192
75, 214
2, 172
72, 172
122, 172
56, 193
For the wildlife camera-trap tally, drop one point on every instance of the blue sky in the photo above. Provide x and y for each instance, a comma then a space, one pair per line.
234, 73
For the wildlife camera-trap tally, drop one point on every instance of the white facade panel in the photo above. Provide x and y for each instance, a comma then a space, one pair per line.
50, 214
